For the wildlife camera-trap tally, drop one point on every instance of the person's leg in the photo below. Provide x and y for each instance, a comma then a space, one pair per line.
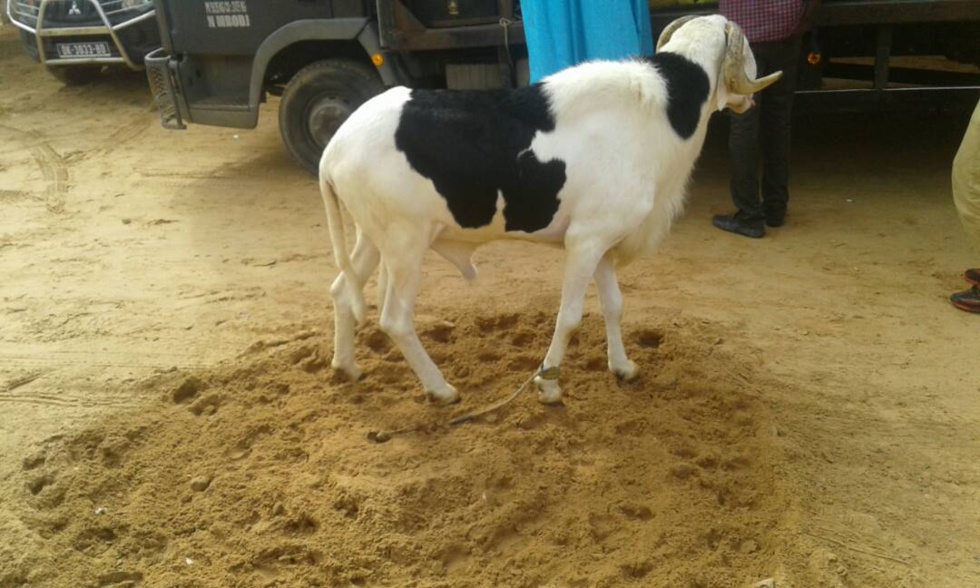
774, 128
966, 196
743, 148
550, 35
966, 180
641, 16
615, 30
743, 145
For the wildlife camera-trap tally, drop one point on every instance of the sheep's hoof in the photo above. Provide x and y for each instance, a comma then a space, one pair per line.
548, 390
352, 372
444, 397
625, 373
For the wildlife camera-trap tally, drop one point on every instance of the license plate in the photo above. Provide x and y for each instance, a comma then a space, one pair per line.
91, 49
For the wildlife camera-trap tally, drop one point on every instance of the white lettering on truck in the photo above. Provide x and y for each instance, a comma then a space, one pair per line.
230, 14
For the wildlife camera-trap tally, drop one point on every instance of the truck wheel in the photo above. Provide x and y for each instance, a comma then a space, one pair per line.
76, 75
317, 100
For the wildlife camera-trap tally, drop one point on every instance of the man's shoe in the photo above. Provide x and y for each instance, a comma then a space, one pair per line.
775, 219
733, 224
973, 276
968, 300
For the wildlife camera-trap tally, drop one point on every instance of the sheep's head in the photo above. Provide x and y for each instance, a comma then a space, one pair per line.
738, 69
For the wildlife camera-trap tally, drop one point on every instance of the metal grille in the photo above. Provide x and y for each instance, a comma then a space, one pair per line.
60, 13
71, 13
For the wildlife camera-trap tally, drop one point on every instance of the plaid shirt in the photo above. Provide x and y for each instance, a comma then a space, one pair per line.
764, 20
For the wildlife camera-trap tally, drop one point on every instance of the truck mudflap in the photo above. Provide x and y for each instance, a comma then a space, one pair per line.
162, 87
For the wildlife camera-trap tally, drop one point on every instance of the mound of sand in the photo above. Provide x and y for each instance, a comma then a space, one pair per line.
260, 473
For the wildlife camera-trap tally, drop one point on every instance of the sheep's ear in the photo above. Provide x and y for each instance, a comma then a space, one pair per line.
735, 79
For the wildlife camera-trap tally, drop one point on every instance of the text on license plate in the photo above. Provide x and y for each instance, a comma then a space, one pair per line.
91, 49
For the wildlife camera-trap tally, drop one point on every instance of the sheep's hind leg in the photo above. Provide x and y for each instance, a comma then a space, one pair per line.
364, 259
611, 301
397, 320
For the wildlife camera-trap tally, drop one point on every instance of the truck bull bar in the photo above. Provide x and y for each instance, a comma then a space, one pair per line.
30, 15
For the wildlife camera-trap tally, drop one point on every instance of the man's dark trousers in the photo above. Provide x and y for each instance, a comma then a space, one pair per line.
766, 129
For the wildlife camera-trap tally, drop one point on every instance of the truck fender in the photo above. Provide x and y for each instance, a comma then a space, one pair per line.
335, 29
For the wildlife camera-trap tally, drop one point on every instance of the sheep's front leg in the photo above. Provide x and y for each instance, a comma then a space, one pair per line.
580, 266
398, 321
611, 301
364, 259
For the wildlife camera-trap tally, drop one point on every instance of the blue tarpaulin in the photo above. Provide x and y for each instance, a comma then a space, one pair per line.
562, 33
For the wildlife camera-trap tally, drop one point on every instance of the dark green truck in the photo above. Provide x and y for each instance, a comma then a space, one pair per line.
221, 59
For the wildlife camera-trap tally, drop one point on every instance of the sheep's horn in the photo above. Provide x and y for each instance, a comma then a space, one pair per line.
735, 77
671, 28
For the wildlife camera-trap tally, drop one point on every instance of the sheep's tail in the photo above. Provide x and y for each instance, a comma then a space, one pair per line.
341, 255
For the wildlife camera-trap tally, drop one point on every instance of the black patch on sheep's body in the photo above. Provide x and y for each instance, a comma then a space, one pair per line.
473, 145
687, 90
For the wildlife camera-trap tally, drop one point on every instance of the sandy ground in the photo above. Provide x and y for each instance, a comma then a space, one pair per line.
808, 408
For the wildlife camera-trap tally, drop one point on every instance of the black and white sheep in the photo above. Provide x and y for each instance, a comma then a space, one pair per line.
595, 159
